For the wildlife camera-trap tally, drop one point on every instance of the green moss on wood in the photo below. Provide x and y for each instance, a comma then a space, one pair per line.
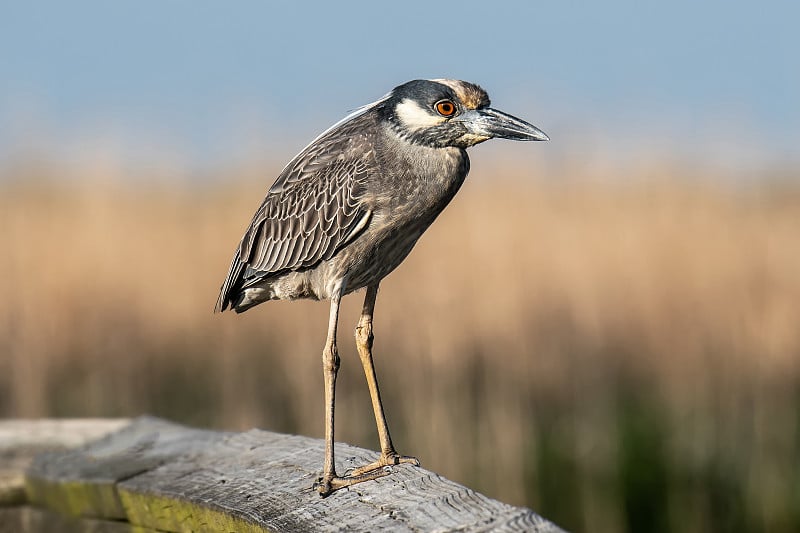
75, 498
170, 514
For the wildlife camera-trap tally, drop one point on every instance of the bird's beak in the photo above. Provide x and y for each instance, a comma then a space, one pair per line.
490, 123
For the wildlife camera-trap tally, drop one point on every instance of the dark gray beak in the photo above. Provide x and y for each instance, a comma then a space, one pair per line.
489, 123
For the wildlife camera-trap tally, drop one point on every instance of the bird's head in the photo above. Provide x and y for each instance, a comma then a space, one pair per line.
441, 113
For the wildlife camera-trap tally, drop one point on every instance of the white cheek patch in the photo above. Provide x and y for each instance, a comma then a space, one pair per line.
415, 117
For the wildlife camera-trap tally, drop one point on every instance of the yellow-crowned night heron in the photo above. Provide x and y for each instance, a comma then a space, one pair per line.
349, 208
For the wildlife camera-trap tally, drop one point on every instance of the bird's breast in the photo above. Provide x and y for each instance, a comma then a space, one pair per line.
417, 182
411, 193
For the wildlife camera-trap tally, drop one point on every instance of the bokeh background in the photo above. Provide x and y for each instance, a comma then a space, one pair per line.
605, 328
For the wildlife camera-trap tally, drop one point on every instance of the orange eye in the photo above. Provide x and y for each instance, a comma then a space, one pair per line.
446, 108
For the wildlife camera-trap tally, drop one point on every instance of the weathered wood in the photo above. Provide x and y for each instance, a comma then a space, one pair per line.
21, 440
155, 475
83, 481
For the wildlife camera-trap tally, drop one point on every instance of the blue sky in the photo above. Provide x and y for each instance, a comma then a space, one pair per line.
217, 81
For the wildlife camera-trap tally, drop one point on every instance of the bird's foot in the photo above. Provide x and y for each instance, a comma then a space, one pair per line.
386, 459
327, 484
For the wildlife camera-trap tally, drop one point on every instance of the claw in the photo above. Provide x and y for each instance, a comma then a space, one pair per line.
385, 460
326, 486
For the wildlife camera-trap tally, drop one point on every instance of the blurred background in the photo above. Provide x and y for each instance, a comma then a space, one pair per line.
605, 328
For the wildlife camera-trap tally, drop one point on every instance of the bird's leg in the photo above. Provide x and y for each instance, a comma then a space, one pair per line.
329, 481
330, 366
364, 340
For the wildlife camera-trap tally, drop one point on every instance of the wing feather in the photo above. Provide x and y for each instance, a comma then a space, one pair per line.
314, 208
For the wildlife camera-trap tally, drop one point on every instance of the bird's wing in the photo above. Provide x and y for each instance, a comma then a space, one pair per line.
313, 209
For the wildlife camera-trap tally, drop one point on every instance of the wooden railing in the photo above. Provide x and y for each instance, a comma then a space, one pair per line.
152, 475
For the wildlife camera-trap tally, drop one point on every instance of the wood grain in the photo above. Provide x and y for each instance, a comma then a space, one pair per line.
156, 475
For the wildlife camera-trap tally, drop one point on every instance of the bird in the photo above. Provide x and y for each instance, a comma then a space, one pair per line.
349, 208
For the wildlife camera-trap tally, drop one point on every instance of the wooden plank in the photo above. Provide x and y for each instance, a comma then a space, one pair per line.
21, 440
259, 481
160, 476
82, 481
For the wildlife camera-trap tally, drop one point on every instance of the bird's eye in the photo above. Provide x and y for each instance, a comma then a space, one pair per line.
446, 108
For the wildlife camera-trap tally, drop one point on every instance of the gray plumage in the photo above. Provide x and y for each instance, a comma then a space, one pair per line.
349, 208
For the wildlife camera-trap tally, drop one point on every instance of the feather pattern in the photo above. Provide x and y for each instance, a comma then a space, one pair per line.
315, 206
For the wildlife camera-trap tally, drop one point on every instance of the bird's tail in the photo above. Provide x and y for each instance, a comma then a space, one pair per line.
230, 292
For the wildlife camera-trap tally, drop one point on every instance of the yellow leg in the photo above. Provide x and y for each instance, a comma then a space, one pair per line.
329, 481
364, 339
